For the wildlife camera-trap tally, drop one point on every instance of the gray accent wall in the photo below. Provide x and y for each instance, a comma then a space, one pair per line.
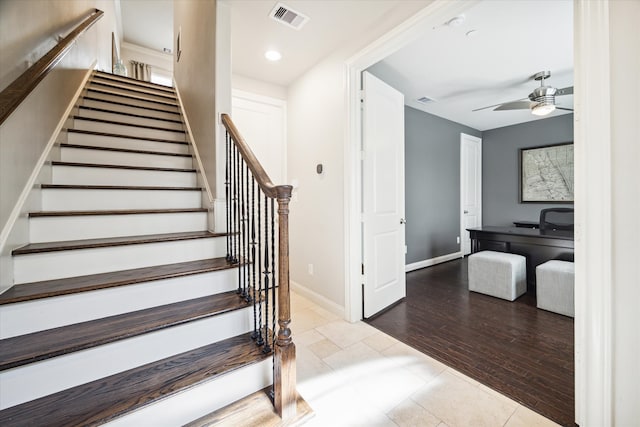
500, 167
432, 184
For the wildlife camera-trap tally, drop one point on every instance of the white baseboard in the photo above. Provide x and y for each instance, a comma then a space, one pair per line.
315, 297
432, 261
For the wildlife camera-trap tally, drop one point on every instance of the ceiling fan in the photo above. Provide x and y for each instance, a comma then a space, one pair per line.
541, 101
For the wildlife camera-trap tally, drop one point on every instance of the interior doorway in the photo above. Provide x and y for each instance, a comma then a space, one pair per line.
470, 188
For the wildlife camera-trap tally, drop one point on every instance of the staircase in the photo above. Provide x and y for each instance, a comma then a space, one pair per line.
124, 309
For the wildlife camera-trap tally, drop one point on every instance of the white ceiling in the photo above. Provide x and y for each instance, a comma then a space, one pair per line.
513, 41
331, 24
148, 23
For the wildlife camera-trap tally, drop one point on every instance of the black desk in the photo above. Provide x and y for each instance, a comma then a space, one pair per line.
527, 224
535, 245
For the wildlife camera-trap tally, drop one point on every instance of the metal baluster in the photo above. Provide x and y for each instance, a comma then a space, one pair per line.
241, 288
227, 193
247, 236
252, 267
234, 192
259, 339
267, 346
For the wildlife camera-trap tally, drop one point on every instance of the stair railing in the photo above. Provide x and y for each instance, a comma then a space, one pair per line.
21, 87
251, 243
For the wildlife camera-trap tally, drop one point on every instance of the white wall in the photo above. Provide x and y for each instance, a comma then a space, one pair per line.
317, 116
247, 84
195, 76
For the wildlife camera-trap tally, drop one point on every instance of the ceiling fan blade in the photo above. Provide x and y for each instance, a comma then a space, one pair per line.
497, 105
565, 91
564, 108
515, 105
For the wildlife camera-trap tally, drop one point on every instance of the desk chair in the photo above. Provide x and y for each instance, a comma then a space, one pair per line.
556, 219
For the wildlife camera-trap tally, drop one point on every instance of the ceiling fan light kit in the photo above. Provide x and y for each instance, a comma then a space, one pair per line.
542, 99
542, 109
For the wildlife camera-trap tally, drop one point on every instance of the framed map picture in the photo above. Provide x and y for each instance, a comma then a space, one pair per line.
546, 174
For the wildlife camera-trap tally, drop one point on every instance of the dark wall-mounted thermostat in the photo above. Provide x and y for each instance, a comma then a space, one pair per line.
319, 168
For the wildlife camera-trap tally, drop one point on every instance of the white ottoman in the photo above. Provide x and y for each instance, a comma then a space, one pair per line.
554, 287
498, 274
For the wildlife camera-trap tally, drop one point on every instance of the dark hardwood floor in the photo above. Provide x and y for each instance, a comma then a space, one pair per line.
512, 347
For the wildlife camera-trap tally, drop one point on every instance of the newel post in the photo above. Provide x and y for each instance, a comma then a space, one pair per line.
284, 381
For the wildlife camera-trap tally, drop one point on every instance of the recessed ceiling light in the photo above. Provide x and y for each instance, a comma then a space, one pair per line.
471, 33
273, 55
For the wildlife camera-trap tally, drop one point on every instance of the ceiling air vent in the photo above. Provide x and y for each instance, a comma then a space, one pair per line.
285, 15
426, 100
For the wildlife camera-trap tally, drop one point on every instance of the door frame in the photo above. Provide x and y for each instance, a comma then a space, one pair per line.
462, 229
593, 170
405, 33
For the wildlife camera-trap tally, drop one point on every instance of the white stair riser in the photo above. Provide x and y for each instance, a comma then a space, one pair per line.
63, 228
132, 101
126, 143
141, 121
66, 199
39, 379
137, 93
123, 158
32, 316
81, 262
200, 400
106, 176
134, 87
129, 109
128, 130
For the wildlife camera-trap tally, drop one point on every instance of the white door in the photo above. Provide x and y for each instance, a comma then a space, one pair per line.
261, 121
383, 195
471, 187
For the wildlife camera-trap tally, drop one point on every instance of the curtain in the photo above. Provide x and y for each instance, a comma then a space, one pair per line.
140, 71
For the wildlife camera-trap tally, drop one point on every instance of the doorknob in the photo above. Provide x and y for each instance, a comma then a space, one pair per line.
466, 212
403, 221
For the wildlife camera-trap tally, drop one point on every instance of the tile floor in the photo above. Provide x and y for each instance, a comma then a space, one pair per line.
354, 375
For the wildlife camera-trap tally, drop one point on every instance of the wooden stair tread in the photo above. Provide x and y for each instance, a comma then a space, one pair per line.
135, 125
34, 347
124, 150
137, 98
254, 410
117, 135
138, 89
116, 187
90, 98
41, 214
107, 398
71, 285
121, 113
132, 81
101, 165
33, 248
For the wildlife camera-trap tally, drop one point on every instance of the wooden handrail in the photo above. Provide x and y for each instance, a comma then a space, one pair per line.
21, 87
284, 379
